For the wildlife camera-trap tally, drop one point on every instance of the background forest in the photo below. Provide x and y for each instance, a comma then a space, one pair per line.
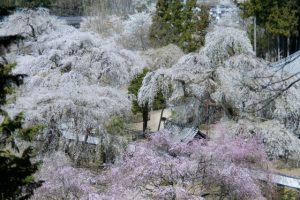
277, 27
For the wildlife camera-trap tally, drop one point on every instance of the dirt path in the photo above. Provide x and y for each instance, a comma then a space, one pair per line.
283, 168
154, 120
291, 172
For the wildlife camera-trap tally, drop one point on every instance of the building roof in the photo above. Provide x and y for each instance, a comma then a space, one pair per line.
179, 132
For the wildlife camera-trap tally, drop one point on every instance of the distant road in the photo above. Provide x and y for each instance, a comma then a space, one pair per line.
73, 20
279, 179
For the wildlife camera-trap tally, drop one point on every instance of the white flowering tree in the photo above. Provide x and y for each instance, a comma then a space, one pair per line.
225, 79
164, 57
130, 32
135, 30
75, 79
279, 141
29, 23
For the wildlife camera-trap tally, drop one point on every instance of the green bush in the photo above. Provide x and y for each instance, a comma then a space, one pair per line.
116, 126
287, 194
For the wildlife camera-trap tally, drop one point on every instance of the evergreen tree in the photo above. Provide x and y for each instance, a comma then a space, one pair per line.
159, 28
200, 28
188, 27
178, 23
289, 22
16, 171
283, 21
279, 18
258, 8
174, 19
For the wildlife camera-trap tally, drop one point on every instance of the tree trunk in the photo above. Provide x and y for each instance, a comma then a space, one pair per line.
254, 34
161, 115
288, 46
278, 48
145, 118
268, 56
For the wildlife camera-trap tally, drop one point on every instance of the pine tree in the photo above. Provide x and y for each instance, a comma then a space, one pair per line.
289, 22
200, 28
282, 21
177, 22
188, 27
160, 27
279, 18
174, 19
16, 171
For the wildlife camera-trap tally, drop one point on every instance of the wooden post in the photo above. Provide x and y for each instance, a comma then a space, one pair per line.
161, 115
207, 112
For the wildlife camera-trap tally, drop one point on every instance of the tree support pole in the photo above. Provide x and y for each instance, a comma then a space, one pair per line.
161, 115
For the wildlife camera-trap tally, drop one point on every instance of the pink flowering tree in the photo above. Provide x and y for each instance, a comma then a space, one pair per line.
64, 181
162, 168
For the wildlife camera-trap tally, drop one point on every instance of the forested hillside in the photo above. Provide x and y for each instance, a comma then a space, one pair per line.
163, 99
74, 7
277, 27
